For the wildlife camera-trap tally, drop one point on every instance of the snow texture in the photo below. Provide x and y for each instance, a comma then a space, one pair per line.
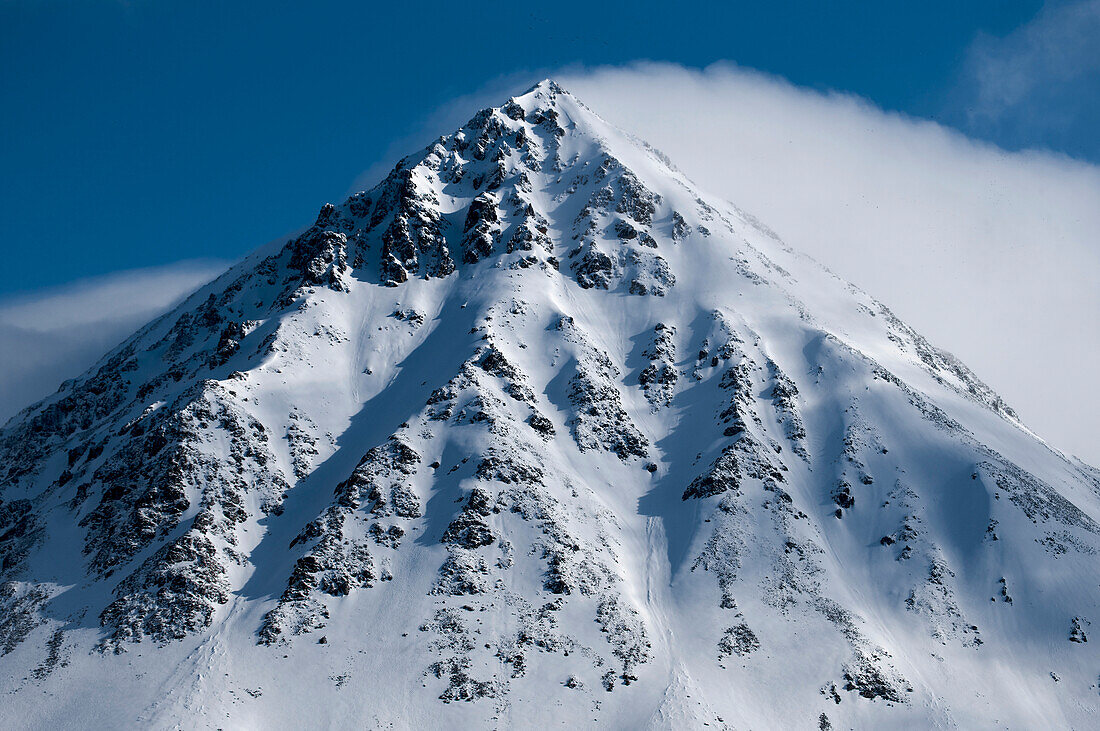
535, 433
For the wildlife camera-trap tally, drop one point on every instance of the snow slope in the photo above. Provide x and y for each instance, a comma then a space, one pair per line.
534, 433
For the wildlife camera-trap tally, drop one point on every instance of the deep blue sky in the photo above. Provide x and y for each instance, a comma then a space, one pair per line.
140, 133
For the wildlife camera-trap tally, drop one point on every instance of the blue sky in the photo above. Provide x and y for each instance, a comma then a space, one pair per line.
141, 133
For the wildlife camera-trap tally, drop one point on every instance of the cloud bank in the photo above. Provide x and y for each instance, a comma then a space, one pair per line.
994, 256
55, 334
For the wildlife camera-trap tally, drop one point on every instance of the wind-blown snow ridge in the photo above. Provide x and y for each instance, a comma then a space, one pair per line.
535, 432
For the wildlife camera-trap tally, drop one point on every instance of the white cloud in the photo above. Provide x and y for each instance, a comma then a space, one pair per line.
54, 334
994, 256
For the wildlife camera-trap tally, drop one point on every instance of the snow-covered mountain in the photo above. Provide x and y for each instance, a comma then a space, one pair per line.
534, 433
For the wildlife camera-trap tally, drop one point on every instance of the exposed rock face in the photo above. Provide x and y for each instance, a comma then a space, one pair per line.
561, 439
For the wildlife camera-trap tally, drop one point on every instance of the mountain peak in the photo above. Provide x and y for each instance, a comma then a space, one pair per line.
480, 191
543, 96
546, 89
565, 439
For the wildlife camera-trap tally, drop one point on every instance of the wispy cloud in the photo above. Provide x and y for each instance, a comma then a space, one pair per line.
54, 334
1039, 82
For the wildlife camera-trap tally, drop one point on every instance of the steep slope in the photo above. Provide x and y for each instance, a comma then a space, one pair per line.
533, 432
